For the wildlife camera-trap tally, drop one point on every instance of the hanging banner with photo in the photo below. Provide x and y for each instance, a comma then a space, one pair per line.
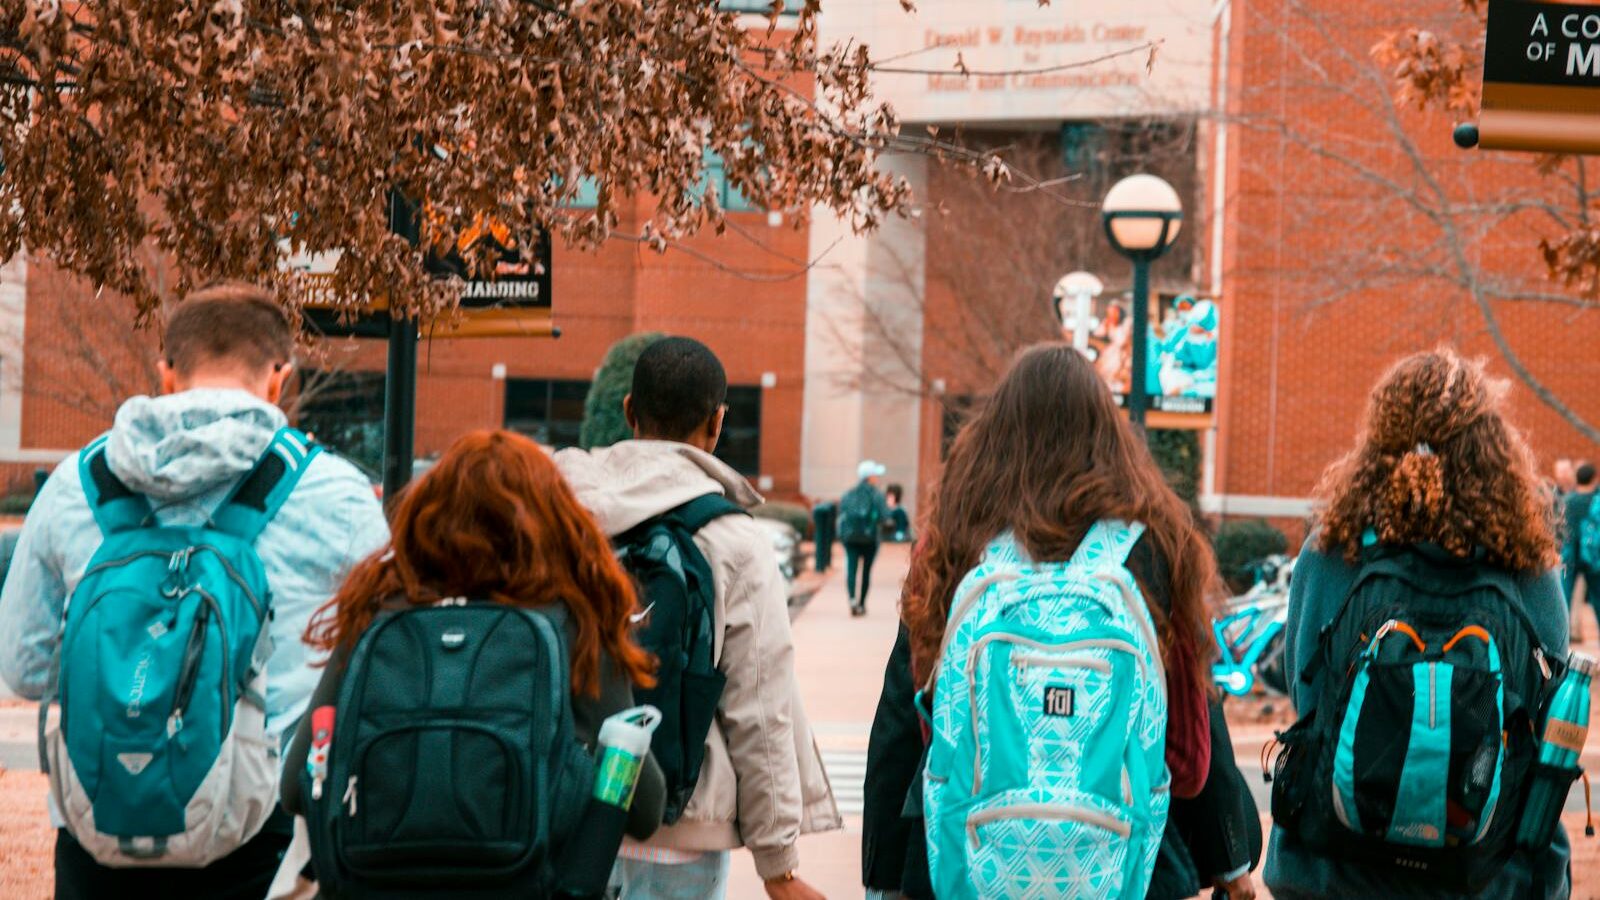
1541, 78
1181, 373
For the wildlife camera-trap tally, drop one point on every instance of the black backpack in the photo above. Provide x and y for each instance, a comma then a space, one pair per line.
1416, 760
677, 597
453, 766
859, 515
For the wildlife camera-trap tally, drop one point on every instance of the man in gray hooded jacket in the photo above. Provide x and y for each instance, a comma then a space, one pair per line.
225, 363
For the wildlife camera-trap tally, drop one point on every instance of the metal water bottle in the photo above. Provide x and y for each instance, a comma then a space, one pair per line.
1566, 727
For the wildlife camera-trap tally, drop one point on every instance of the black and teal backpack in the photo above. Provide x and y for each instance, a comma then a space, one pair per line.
1417, 758
677, 599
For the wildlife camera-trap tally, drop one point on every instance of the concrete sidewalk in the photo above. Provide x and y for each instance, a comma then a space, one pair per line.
839, 661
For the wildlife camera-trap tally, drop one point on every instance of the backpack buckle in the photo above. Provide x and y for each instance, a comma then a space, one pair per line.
173, 588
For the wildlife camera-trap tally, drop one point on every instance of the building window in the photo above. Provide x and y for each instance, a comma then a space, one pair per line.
740, 446
715, 180
955, 413
790, 7
549, 412
344, 412
588, 196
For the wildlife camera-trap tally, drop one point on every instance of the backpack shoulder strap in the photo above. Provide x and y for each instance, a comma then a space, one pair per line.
1106, 545
115, 506
702, 511
262, 492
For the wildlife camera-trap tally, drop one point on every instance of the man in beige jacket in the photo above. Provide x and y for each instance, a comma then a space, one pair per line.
762, 784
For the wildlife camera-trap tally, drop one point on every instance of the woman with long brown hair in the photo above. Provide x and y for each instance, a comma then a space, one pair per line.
1438, 482
1047, 456
493, 520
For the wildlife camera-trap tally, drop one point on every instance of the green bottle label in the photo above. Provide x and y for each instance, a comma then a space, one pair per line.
617, 777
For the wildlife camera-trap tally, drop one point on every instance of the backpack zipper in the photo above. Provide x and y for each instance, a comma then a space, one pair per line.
349, 799
1116, 644
1058, 812
189, 675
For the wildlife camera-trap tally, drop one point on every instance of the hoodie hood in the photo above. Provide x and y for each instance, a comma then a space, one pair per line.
180, 446
627, 483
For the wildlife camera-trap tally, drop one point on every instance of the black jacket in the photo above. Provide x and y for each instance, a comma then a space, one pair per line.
1209, 835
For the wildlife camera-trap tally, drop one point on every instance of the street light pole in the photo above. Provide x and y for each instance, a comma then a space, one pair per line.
1138, 395
400, 383
1142, 216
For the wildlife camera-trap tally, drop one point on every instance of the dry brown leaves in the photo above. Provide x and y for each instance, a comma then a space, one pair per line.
215, 130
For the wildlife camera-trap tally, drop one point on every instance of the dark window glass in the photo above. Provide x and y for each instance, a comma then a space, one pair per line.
790, 7
740, 446
549, 412
344, 412
957, 410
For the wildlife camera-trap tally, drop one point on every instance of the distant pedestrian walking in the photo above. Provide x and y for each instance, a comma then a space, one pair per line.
1580, 549
862, 511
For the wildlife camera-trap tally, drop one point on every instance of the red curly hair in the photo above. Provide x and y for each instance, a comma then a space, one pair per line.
1437, 463
494, 520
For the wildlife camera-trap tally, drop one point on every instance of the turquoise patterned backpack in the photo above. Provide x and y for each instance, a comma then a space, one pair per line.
1047, 776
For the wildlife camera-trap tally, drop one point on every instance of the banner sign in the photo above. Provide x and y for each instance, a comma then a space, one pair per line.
514, 300
1541, 77
1181, 356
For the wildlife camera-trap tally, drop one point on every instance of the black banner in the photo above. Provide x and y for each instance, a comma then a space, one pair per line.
1554, 44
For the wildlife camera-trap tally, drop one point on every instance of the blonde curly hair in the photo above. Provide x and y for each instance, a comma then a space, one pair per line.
1437, 463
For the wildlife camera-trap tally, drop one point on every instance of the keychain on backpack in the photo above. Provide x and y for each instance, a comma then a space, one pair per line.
321, 743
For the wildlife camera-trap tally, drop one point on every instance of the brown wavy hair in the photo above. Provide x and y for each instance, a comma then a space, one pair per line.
1437, 463
494, 520
1047, 456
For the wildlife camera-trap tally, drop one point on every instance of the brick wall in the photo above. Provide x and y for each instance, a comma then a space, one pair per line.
1337, 263
83, 355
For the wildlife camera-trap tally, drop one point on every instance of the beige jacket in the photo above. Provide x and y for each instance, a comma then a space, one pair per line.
762, 784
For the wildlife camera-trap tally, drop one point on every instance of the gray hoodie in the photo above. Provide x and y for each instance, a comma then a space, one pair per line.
763, 784
186, 452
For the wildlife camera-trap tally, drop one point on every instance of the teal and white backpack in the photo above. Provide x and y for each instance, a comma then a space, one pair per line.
1046, 775
160, 755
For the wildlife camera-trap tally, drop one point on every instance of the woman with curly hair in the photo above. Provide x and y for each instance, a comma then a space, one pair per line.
1438, 481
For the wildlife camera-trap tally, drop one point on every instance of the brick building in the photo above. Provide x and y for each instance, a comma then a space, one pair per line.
1337, 231
1354, 232
71, 356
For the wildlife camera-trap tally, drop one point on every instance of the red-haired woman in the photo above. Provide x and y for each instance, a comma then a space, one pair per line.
493, 520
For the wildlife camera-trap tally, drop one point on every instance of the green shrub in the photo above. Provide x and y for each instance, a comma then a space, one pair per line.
1177, 452
603, 423
797, 516
15, 504
1243, 541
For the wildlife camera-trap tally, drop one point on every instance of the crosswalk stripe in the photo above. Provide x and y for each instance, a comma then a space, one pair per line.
847, 772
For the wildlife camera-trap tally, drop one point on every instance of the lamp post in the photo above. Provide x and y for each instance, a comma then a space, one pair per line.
1142, 215
1082, 288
